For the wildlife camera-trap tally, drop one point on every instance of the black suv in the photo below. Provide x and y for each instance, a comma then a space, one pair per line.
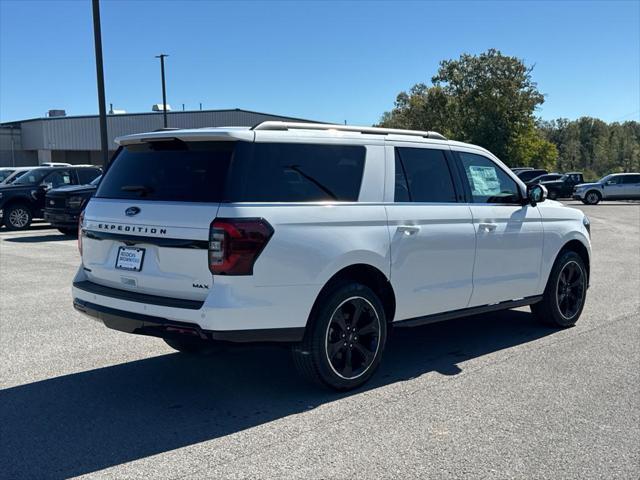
528, 175
64, 205
563, 187
24, 199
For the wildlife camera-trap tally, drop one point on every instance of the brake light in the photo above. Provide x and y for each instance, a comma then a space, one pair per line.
80, 222
236, 243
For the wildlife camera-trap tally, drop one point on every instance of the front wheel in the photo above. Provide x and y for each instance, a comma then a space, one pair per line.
345, 339
592, 198
17, 217
565, 294
553, 195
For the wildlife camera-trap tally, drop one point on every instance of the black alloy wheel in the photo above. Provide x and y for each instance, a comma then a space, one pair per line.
345, 337
353, 338
570, 290
566, 291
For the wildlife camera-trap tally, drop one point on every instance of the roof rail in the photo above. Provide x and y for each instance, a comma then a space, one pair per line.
277, 125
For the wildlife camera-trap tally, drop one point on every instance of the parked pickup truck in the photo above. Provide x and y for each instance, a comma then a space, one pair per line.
23, 200
63, 205
563, 187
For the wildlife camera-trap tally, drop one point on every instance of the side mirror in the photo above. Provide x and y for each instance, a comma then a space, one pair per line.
46, 186
536, 194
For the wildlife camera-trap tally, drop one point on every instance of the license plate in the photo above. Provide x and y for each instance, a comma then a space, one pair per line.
130, 258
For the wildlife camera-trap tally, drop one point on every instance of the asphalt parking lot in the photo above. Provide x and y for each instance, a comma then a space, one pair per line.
492, 396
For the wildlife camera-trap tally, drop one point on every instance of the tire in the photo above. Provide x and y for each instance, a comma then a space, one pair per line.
192, 346
345, 338
553, 195
70, 232
592, 197
17, 217
565, 293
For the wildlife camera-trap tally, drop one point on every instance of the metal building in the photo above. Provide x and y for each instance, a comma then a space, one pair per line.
76, 140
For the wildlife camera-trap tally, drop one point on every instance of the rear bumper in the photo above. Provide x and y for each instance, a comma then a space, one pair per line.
140, 324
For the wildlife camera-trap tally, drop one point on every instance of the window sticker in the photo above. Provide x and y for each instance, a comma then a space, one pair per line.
484, 181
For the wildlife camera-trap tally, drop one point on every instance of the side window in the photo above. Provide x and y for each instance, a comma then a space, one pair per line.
296, 172
86, 175
58, 178
631, 179
488, 182
614, 180
426, 176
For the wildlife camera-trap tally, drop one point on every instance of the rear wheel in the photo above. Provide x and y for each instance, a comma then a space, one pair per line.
553, 195
592, 198
345, 338
565, 293
191, 346
17, 217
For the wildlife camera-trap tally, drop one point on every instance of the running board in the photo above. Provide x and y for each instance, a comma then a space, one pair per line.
467, 312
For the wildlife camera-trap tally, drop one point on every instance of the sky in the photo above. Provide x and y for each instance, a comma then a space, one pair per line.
329, 61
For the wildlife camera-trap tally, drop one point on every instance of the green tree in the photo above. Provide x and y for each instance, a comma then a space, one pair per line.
488, 99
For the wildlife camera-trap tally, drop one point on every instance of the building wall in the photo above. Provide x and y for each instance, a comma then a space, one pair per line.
76, 140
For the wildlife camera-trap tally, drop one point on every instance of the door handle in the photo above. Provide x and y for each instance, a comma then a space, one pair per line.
408, 230
487, 227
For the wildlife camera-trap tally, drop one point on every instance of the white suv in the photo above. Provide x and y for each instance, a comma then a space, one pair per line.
321, 236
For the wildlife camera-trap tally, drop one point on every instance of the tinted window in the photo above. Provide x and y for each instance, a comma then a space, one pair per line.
87, 175
631, 179
58, 178
296, 172
169, 170
234, 171
4, 174
488, 182
31, 177
530, 174
427, 176
613, 180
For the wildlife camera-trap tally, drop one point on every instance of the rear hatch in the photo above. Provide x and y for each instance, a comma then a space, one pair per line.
147, 228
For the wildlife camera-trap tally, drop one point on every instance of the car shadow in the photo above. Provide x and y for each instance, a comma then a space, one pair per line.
84, 422
54, 237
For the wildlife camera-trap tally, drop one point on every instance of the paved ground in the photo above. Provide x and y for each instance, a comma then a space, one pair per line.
493, 396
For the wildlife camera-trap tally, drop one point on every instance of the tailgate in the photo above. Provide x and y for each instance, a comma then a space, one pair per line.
161, 250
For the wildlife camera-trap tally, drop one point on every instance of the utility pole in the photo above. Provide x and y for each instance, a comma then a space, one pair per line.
97, 40
164, 90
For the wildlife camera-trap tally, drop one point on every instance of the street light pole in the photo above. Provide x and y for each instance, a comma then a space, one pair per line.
164, 90
97, 40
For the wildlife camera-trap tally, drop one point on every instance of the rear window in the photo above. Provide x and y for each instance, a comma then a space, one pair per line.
235, 172
169, 171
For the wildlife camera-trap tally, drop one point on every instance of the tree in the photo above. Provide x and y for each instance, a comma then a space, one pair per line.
487, 99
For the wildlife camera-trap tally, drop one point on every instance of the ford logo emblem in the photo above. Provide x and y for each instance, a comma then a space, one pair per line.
131, 211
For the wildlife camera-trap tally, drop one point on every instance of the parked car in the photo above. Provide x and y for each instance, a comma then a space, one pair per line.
526, 175
63, 205
544, 178
23, 200
563, 186
617, 186
520, 169
322, 237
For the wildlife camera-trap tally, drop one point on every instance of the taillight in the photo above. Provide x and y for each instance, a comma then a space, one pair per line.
236, 243
80, 222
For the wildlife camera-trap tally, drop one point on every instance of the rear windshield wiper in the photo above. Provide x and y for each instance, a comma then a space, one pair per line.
297, 169
142, 189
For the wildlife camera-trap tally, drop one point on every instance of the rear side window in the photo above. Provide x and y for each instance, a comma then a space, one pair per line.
296, 172
422, 175
488, 183
631, 179
169, 170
